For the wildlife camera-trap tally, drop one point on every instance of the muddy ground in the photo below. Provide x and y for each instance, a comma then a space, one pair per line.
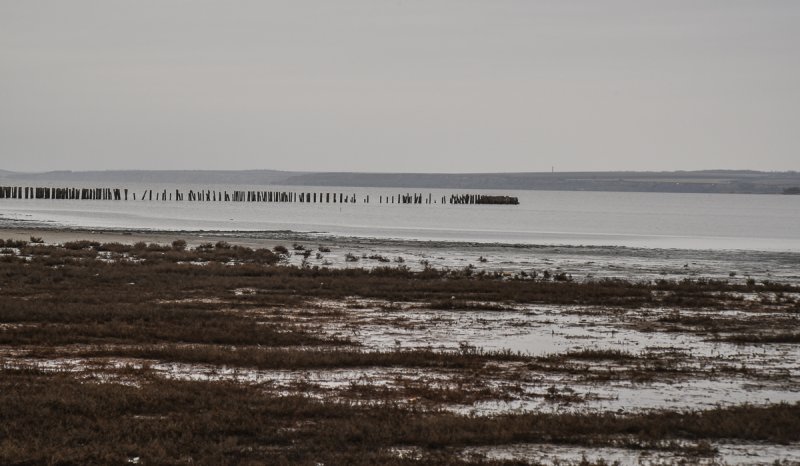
216, 352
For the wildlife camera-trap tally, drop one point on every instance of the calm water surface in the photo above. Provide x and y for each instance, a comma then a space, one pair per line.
650, 220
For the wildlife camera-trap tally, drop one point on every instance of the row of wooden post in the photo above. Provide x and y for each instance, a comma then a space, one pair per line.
252, 196
116, 194
25, 192
482, 199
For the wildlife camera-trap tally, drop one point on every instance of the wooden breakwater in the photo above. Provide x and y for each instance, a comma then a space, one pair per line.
26, 192
208, 195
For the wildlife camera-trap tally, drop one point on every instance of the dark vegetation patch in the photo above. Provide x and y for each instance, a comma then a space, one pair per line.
176, 252
168, 264
737, 326
54, 418
781, 337
265, 358
608, 365
592, 355
464, 390
106, 316
462, 305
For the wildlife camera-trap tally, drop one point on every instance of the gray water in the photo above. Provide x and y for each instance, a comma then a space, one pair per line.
642, 220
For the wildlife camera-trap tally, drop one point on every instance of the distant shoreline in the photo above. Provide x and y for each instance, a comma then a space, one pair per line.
262, 238
704, 181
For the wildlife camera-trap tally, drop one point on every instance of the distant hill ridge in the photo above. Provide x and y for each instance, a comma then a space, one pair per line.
157, 176
704, 181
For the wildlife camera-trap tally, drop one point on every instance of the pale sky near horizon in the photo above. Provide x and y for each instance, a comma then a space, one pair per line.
400, 86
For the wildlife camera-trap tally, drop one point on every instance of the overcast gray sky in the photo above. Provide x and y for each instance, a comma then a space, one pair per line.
403, 85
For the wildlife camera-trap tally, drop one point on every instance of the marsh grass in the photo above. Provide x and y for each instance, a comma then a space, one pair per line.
598, 366
760, 338
462, 305
266, 358
54, 418
166, 264
593, 355
123, 320
740, 328
156, 303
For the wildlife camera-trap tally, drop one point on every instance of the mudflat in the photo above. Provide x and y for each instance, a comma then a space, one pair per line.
158, 349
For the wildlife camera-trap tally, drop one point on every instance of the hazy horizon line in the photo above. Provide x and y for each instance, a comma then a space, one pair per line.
706, 170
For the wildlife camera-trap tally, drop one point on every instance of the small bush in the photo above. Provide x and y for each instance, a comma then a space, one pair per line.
118, 248
13, 243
